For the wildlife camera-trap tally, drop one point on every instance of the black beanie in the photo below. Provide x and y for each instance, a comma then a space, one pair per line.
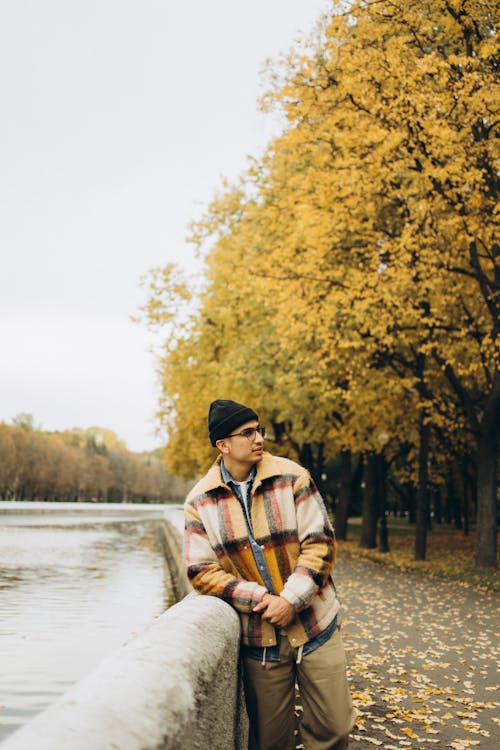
224, 416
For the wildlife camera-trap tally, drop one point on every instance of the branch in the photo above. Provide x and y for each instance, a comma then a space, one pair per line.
460, 391
477, 335
483, 280
293, 276
471, 275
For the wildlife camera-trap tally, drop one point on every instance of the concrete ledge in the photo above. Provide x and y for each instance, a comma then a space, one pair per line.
175, 687
171, 541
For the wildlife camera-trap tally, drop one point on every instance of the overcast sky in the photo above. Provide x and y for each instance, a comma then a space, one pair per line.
118, 120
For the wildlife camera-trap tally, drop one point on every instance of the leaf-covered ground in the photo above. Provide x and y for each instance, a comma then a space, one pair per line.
450, 553
423, 658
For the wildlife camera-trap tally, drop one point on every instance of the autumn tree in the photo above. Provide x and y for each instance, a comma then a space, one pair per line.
78, 465
396, 121
351, 277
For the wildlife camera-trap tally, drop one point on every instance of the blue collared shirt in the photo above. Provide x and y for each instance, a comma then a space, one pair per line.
272, 652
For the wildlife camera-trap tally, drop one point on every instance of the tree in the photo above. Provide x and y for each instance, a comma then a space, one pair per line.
352, 275
78, 465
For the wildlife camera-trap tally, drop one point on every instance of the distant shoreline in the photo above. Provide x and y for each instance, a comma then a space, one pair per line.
27, 505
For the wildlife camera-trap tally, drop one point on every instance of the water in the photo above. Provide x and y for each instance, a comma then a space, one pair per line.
75, 584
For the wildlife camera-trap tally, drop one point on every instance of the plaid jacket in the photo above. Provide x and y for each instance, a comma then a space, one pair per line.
289, 522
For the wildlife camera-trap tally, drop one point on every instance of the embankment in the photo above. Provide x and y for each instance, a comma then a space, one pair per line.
175, 687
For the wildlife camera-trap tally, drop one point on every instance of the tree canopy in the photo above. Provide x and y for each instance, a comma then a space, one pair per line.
78, 465
351, 282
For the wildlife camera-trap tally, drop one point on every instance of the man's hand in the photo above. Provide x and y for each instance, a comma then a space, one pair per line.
276, 609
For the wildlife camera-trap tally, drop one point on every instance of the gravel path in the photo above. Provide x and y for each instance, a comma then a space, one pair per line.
423, 659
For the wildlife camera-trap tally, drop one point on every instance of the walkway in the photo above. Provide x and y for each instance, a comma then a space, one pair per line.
423, 659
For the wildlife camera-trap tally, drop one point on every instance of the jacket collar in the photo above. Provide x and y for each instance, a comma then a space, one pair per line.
268, 466
226, 476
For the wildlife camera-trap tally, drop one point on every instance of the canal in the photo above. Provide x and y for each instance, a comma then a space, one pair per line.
76, 582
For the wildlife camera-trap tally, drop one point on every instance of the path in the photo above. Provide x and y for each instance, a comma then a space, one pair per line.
423, 658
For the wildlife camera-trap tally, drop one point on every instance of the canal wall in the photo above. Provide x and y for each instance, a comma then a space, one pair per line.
177, 686
171, 541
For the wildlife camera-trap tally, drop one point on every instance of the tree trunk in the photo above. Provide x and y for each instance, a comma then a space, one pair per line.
312, 457
342, 509
370, 509
487, 456
306, 457
356, 489
438, 506
465, 491
412, 502
448, 507
382, 469
422, 491
455, 498
487, 431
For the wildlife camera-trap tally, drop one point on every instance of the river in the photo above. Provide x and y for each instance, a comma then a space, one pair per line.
76, 582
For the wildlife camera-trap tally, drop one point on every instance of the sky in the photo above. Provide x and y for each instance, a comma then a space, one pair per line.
119, 120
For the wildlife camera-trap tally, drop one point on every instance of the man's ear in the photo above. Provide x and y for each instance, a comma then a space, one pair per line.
222, 446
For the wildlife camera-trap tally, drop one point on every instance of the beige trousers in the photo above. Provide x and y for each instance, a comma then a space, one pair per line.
328, 713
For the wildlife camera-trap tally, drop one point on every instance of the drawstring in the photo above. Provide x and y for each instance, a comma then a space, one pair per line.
299, 654
298, 660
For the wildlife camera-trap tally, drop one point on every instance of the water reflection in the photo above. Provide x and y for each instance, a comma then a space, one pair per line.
73, 588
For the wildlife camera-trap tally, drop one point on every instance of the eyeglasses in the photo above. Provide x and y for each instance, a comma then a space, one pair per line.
250, 433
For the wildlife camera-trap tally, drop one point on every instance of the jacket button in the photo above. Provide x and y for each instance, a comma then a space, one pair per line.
293, 640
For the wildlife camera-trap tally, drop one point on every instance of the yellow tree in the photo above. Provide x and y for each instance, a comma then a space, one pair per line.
353, 277
395, 118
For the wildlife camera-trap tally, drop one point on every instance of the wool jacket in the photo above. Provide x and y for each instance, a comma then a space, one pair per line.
289, 522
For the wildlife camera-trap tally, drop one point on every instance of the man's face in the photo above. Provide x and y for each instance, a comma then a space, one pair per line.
244, 448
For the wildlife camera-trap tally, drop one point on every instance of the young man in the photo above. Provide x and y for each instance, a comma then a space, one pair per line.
258, 536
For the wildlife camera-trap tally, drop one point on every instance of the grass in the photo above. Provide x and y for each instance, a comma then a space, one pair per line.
450, 553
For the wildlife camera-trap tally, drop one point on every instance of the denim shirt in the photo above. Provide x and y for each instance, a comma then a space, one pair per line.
272, 652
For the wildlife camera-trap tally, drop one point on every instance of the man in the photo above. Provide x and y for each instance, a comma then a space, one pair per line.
258, 536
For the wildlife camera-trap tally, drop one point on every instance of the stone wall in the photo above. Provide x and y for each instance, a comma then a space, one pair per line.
172, 549
175, 687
